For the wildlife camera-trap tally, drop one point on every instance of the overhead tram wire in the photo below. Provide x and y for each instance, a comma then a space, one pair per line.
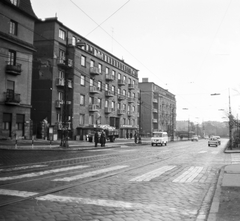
116, 41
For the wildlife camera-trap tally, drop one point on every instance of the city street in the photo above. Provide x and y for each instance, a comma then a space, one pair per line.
173, 182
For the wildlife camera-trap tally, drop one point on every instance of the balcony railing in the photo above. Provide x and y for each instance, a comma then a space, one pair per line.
58, 103
155, 110
155, 100
12, 98
60, 82
109, 77
14, 69
65, 63
70, 84
121, 112
109, 93
154, 120
130, 113
108, 110
130, 86
121, 97
93, 107
94, 71
121, 82
94, 90
130, 100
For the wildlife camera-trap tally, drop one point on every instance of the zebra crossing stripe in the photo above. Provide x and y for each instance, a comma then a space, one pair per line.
97, 202
189, 175
203, 151
22, 168
29, 175
152, 174
89, 174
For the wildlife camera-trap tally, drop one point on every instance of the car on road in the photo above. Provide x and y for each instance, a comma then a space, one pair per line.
213, 141
219, 141
194, 138
159, 138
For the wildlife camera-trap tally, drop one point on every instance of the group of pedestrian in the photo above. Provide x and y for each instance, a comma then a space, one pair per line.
100, 138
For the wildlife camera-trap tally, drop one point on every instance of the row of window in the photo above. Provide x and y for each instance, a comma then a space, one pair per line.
125, 121
74, 41
107, 104
7, 121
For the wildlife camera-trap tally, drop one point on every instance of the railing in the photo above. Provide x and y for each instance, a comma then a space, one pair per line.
14, 69
12, 98
93, 89
94, 71
109, 77
93, 107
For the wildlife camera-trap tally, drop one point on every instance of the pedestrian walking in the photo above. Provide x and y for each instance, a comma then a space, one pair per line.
135, 137
130, 135
96, 137
127, 135
103, 139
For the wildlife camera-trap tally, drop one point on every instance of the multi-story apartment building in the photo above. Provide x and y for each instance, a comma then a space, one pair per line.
16, 52
97, 87
157, 109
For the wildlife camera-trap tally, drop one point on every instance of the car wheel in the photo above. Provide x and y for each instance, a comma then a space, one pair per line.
209, 145
166, 144
152, 144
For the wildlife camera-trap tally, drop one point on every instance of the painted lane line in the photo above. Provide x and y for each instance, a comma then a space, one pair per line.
189, 175
203, 151
41, 173
152, 174
22, 168
89, 174
97, 202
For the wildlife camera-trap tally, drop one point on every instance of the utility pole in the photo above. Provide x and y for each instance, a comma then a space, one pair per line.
172, 124
140, 118
230, 122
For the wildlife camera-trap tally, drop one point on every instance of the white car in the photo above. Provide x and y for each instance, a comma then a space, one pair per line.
213, 141
194, 138
159, 138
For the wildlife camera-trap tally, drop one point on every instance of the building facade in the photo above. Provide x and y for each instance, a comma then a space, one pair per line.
157, 109
16, 54
78, 85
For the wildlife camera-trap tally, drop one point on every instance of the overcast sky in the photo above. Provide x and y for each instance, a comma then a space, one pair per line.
190, 47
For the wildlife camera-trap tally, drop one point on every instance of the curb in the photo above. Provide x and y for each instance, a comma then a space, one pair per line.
212, 215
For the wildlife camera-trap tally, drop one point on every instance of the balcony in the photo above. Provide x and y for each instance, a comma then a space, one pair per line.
94, 71
58, 103
155, 100
121, 97
130, 113
60, 82
60, 125
14, 69
94, 90
121, 112
108, 110
155, 110
70, 85
109, 94
65, 63
154, 120
12, 98
93, 107
130, 87
130, 100
109, 77
121, 82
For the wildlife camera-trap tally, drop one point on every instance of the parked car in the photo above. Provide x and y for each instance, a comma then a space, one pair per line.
194, 138
213, 141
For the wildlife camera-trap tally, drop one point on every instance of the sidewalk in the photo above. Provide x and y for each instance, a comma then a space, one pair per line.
55, 145
226, 201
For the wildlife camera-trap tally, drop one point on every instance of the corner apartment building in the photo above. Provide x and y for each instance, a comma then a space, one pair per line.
97, 87
16, 54
157, 109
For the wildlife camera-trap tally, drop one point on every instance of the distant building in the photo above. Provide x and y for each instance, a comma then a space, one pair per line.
97, 87
157, 109
16, 53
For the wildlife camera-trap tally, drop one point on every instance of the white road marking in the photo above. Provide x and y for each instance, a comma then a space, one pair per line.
235, 158
95, 150
42, 173
203, 151
97, 202
189, 175
22, 168
215, 152
152, 174
89, 174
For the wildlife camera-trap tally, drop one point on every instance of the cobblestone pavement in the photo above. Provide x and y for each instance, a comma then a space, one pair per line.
177, 183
